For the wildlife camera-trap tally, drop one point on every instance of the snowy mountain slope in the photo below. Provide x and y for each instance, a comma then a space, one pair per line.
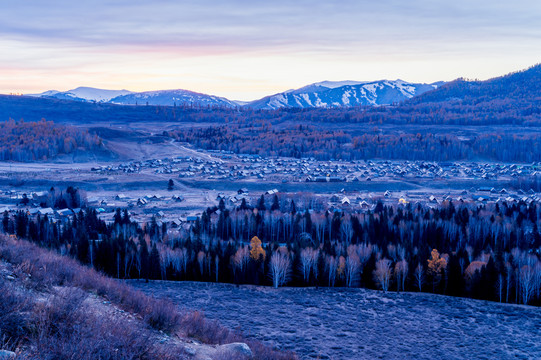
83, 94
172, 97
321, 94
344, 93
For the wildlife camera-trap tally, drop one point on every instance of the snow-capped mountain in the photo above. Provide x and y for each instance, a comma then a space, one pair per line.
344, 93
172, 97
83, 94
321, 94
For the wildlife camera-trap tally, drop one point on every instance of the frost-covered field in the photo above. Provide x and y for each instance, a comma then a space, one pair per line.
365, 324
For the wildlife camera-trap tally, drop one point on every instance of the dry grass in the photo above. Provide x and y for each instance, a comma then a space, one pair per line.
63, 328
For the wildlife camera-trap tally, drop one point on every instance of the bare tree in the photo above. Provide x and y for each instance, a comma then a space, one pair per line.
401, 271
382, 274
280, 264
319, 222
419, 275
537, 278
128, 262
138, 264
508, 279
353, 266
217, 266
364, 251
391, 251
201, 261
346, 230
241, 258
331, 266
499, 286
527, 278
178, 259
309, 259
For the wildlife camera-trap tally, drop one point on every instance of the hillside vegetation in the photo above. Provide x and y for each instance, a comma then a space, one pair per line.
42, 140
51, 307
265, 139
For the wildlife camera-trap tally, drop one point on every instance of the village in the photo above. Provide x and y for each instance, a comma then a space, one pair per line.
178, 209
175, 190
221, 165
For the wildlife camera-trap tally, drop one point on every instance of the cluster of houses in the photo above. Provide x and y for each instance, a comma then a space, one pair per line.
158, 166
234, 167
480, 195
162, 212
52, 214
125, 201
370, 170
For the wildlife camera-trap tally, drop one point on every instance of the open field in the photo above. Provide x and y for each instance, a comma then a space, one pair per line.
364, 324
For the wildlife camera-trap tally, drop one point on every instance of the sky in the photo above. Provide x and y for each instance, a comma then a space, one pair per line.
244, 50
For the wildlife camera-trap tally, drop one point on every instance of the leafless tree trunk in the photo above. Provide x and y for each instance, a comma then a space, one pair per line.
217, 266
401, 271
419, 276
331, 266
308, 262
279, 267
382, 274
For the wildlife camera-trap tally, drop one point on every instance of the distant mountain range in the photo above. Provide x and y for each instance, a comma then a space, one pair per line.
323, 94
510, 99
83, 94
344, 93
171, 98
522, 86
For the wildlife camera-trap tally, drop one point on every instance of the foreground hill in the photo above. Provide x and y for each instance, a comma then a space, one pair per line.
341, 323
343, 94
53, 308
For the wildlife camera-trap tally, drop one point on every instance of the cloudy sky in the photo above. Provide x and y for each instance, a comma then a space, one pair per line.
246, 49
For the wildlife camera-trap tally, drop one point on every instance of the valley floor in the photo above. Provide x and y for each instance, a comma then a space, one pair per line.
346, 324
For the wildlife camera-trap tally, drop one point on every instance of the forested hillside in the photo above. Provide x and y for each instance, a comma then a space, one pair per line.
262, 138
521, 86
42, 140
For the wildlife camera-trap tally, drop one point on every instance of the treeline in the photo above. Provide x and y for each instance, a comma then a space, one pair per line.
487, 252
311, 141
30, 141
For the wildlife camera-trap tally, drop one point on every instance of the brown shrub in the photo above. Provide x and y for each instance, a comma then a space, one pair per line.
64, 330
14, 319
194, 324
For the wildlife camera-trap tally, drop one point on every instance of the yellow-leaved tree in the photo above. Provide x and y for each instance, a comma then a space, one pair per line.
256, 250
436, 265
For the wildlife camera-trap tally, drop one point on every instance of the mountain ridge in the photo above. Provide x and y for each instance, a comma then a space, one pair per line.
83, 93
344, 94
321, 94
